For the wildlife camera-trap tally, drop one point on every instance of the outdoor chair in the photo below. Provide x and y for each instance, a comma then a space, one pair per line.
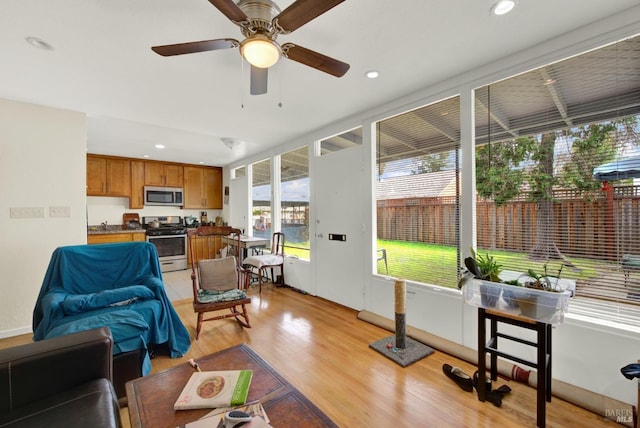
269, 260
219, 283
382, 255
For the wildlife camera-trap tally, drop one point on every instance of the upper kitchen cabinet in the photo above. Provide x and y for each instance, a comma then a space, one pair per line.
202, 187
108, 176
136, 201
163, 174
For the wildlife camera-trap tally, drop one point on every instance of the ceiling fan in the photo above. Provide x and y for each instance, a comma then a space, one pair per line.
261, 22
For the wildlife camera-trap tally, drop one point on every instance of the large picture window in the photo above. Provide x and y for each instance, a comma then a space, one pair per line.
417, 192
261, 199
556, 174
294, 201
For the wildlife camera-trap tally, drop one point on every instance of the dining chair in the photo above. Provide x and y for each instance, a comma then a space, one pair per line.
269, 260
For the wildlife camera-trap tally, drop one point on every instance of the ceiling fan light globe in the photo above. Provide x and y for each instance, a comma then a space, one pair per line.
260, 51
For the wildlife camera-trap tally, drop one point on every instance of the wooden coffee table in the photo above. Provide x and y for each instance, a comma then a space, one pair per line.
151, 398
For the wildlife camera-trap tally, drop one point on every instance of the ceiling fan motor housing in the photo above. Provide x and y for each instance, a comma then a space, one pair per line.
260, 14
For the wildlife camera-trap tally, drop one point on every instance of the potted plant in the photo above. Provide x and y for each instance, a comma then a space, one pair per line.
537, 305
510, 297
532, 295
485, 268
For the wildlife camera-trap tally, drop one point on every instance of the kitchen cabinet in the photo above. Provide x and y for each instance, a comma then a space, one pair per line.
137, 184
202, 187
106, 238
163, 174
107, 176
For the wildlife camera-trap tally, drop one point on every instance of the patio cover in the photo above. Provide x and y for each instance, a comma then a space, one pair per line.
618, 170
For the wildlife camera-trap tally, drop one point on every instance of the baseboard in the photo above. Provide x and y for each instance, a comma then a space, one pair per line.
15, 332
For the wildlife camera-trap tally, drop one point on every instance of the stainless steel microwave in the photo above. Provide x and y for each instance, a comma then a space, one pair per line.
171, 196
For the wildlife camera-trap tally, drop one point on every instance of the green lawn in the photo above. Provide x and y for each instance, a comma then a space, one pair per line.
437, 264
412, 261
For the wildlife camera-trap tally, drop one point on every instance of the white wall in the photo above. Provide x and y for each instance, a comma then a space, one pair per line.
42, 164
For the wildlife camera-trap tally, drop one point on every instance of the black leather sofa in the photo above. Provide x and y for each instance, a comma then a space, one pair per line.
60, 382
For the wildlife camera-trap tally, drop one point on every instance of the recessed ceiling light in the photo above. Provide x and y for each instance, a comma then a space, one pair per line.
201, 163
503, 7
39, 43
372, 74
159, 146
145, 156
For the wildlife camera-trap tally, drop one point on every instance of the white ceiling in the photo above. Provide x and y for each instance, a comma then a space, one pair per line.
102, 65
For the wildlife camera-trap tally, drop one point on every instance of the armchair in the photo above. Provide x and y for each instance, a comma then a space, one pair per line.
115, 285
59, 382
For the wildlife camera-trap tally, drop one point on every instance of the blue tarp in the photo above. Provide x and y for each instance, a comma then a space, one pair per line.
81, 271
618, 170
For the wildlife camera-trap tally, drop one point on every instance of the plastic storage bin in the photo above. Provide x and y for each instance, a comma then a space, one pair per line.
539, 305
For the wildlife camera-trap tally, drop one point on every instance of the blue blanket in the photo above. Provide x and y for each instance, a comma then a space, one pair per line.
88, 286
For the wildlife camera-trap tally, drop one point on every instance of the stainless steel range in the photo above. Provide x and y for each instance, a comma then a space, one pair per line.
169, 235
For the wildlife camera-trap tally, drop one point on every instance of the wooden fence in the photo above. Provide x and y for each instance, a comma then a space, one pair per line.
592, 228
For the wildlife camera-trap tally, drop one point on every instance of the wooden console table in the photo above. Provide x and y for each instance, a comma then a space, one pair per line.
151, 398
542, 345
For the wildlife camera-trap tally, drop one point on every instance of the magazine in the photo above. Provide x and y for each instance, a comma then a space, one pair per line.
225, 388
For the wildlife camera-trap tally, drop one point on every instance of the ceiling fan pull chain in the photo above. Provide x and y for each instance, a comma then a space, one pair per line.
241, 81
280, 85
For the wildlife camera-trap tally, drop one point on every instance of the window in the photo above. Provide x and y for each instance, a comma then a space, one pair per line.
294, 201
239, 172
340, 142
540, 138
417, 194
261, 199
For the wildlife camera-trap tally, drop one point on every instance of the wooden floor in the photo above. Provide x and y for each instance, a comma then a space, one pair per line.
322, 349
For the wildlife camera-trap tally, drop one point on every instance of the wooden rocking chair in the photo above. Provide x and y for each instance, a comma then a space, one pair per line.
219, 281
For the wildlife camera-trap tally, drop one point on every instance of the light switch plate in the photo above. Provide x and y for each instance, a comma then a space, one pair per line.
59, 211
26, 212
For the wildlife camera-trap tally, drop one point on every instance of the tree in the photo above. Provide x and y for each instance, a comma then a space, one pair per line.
504, 169
592, 145
430, 163
500, 169
542, 180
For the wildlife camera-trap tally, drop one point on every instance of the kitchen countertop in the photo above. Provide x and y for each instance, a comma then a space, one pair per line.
112, 228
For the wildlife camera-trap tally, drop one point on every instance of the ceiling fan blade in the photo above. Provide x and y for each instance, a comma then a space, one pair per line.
230, 10
259, 80
193, 47
314, 59
302, 11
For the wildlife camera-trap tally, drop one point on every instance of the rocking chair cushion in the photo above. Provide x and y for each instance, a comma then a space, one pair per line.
218, 274
212, 296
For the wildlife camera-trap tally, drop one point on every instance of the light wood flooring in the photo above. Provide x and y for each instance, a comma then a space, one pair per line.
323, 350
